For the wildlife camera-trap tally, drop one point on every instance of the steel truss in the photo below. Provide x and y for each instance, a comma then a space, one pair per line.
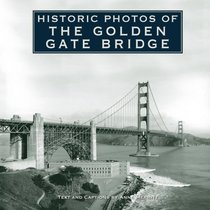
11, 126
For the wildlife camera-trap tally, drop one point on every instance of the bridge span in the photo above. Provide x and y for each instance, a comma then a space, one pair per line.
33, 138
39, 139
12, 126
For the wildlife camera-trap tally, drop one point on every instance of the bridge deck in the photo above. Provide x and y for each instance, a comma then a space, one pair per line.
14, 126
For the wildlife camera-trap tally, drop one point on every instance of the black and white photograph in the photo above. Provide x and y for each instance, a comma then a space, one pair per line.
104, 105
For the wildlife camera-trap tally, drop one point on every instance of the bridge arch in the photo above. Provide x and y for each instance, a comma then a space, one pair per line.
76, 149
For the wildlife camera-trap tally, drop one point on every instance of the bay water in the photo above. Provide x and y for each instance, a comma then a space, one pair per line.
189, 165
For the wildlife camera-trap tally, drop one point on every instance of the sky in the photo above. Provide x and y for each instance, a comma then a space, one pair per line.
76, 87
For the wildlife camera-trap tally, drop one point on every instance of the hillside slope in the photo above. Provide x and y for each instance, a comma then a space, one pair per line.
17, 191
155, 140
21, 190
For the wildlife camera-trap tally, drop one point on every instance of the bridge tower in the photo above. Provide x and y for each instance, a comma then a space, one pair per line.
143, 145
180, 133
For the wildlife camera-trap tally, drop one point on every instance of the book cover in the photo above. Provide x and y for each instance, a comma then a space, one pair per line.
104, 105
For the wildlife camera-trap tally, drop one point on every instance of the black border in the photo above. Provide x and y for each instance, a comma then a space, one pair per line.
108, 52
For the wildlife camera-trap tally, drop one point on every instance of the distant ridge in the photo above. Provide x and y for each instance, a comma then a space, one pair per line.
155, 139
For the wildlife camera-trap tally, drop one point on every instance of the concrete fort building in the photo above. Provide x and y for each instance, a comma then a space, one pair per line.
99, 169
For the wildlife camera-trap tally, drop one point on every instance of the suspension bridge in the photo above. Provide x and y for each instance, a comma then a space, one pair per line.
131, 115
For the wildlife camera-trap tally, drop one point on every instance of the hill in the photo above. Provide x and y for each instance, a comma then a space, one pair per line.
18, 191
32, 189
194, 140
155, 139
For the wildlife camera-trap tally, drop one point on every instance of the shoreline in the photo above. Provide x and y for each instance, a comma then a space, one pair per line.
125, 197
149, 177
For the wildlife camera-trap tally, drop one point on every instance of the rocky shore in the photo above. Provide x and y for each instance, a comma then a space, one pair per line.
134, 185
149, 177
